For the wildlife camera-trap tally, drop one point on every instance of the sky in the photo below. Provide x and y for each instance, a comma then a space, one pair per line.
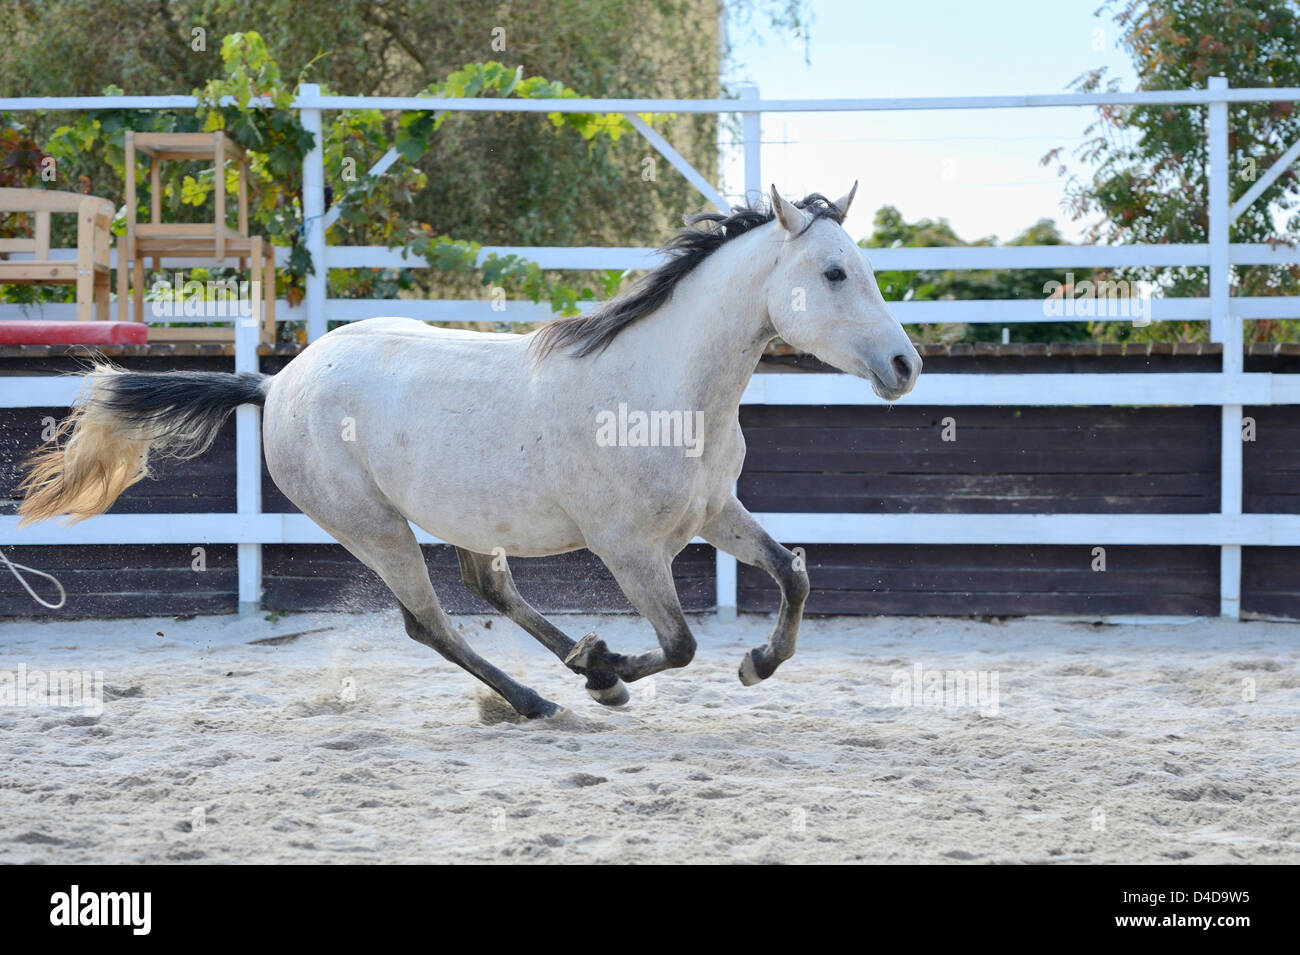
977, 168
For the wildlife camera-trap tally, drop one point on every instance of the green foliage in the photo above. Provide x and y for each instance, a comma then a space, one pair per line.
504, 179
1148, 178
20, 155
495, 80
251, 103
510, 272
500, 178
890, 230
416, 134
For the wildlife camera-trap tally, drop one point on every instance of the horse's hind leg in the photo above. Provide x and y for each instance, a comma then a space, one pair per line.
495, 584
648, 582
389, 549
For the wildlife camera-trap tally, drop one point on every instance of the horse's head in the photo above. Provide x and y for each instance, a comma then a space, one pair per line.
822, 298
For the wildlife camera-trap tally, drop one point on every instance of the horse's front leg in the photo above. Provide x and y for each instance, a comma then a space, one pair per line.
648, 582
735, 531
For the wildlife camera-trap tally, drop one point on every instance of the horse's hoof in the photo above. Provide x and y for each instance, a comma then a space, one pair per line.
540, 708
754, 667
585, 650
545, 710
494, 708
614, 694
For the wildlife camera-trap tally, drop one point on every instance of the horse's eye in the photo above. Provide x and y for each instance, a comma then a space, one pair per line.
835, 274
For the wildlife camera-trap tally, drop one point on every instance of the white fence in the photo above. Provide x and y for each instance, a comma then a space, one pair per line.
1229, 389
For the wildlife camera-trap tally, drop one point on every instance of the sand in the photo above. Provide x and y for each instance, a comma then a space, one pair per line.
1104, 744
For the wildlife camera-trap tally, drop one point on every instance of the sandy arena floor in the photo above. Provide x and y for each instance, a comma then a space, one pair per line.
1102, 744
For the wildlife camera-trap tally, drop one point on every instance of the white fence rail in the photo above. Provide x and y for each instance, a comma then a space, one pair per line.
1229, 389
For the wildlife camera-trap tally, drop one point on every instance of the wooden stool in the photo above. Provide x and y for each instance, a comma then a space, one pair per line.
212, 241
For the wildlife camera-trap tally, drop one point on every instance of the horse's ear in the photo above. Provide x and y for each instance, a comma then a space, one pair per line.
790, 217
846, 200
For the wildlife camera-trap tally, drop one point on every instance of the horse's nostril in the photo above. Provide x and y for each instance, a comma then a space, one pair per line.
902, 367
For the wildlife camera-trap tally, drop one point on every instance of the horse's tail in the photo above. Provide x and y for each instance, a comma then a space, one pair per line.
120, 418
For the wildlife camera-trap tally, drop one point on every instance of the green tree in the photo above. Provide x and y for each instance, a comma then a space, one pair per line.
890, 230
1147, 181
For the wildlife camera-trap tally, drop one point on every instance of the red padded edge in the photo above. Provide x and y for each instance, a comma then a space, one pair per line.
73, 333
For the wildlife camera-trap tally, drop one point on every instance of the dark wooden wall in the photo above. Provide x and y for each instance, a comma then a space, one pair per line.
999, 580
124, 580
325, 576
1270, 576
1013, 460
844, 459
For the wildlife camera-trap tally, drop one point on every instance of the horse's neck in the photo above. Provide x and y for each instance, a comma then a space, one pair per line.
708, 337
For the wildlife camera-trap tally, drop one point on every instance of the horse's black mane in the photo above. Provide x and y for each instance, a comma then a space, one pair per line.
592, 332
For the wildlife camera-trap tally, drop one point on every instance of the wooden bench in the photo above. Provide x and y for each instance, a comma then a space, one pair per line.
89, 273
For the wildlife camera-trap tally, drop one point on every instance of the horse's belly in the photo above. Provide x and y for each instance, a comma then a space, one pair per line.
493, 525
473, 479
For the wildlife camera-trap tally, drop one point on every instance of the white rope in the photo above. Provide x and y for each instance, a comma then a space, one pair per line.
63, 594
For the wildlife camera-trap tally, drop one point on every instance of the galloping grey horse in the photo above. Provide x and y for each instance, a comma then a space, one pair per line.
502, 444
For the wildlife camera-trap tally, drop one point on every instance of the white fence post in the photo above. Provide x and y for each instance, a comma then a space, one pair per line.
313, 212
725, 582
725, 570
752, 127
1225, 328
248, 457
